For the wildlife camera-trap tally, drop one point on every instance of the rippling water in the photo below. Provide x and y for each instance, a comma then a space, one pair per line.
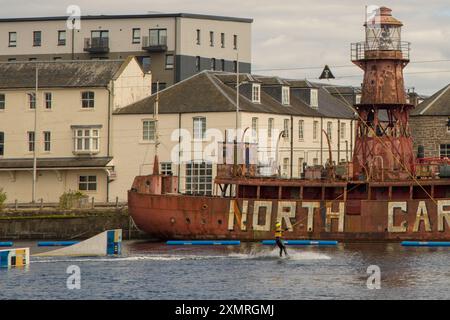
250, 271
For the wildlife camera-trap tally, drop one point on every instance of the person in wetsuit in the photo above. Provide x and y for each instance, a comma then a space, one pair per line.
279, 240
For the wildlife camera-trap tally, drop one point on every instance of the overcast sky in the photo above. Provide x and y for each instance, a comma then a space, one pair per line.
297, 33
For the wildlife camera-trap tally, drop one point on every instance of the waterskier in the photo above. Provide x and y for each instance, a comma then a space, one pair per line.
278, 238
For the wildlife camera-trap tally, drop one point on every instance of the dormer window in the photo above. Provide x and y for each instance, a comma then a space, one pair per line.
256, 93
285, 96
314, 98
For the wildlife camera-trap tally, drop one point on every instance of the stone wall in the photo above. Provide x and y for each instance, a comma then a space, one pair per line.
64, 225
431, 132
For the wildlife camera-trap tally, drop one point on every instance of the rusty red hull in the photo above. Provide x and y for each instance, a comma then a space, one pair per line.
198, 217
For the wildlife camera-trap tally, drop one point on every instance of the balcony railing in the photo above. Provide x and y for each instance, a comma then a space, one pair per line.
96, 45
154, 45
374, 50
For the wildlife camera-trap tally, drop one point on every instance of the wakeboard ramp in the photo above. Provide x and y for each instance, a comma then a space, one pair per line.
106, 243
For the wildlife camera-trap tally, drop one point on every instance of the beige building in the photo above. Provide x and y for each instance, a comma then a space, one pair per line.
172, 46
72, 139
199, 112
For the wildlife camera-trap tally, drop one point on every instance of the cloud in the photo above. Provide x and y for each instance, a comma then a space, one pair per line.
296, 33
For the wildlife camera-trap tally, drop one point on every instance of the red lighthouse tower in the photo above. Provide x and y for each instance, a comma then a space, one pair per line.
383, 146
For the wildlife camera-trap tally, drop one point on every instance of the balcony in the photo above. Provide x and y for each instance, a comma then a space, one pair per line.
367, 51
96, 45
154, 45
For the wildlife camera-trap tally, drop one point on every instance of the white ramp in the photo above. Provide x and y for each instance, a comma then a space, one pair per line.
14, 257
103, 244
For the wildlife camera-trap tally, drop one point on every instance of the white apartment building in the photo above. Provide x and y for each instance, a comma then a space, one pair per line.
72, 139
205, 104
172, 46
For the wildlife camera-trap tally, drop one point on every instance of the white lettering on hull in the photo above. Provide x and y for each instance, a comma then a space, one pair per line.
391, 207
286, 211
443, 214
422, 215
310, 206
256, 208
335, 215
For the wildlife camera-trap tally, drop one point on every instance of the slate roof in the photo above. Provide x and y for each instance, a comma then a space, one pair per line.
436, 105
59, 74
210, 91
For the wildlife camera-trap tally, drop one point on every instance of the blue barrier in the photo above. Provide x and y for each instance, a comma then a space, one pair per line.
6, 244
302, 242
203, 242
56, 243
425, 244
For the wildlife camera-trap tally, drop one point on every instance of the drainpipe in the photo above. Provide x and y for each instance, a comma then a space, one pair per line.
108, 148
292, 145
179, 152
73, 39
321, 141
339, 143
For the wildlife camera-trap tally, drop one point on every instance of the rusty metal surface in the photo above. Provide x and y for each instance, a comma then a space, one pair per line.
193, 217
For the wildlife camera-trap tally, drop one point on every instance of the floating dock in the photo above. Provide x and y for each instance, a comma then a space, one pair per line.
106, 243
203, 242
6, 244
425, 244
302, 242
18, 257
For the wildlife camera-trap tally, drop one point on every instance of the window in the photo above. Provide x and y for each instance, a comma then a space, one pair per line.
48, 100
156, 88
285, 95
222, 40
213, 64
255, 127
330, 130
270, 127
32, 100
57, 58
301, 124
146, 62
86, 140
343, 133
37, 37
12, 42
47, 141
169, 61
87, 99
62, 38
158, 37
2, 143
444, 151
222, 63
285, 166
148, 130
166, 168
358, 99
2, 101
315, 161
32, 59
256, 93
448, 125
100, 34
315, 130
136, 35
300, 166
235, 41
31, 141
211, 38
197, 63
87, 183
235, 66
286, 128
198, 36
199, 178
314, 102
11, 59
199, 128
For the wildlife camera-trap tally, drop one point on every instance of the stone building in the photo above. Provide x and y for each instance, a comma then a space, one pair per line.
430, 124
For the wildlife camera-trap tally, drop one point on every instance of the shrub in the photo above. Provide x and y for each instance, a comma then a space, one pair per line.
3, 198
71, 199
